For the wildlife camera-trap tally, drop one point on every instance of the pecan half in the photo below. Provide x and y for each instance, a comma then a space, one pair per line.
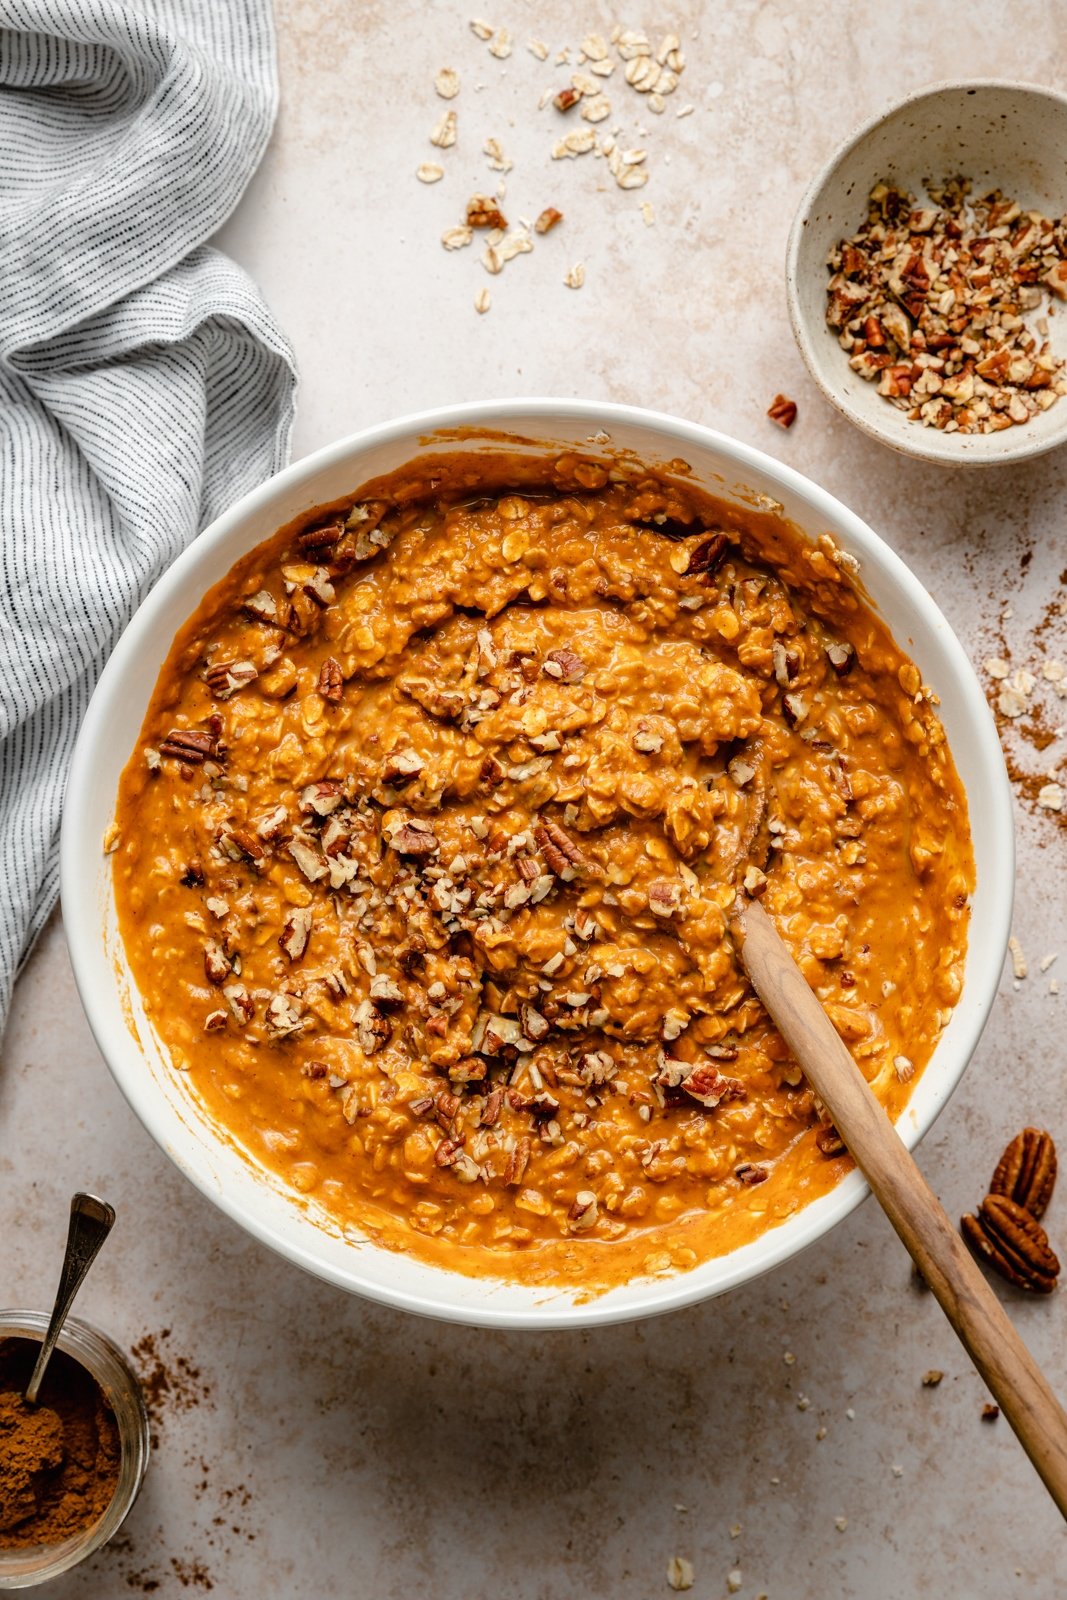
1026, 1172
224, 678
1013, 1243
414, 839
562, 855
331, 681
191, 745
241, 845
708, 556
321, 538
564, 666
518, 1161
296, 932
784, 411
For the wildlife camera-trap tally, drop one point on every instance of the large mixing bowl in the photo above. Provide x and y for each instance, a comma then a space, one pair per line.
159, 1095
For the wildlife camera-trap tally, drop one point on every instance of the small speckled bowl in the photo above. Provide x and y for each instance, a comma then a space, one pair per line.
104, 1361
1011, 136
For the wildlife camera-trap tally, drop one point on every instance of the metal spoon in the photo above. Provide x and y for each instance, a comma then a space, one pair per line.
91, 1220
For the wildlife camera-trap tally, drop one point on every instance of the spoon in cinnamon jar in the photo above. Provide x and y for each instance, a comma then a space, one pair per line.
91, 1220
983, 1326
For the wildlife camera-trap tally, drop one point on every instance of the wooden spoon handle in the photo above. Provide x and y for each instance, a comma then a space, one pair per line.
987, 1333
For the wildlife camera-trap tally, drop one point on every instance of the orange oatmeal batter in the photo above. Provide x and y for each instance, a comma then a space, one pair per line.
426, 848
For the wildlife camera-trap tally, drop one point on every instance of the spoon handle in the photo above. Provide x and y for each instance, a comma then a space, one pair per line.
961, 1290
91, 1220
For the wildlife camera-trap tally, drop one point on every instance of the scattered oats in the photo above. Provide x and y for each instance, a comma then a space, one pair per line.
538, 48
789, 1358
578, 143
630, 44
1046, 961
500, 44
648, 213
686, 111
1055, 672
850, 1414
497, 159
596, 107
447, 83
444, 134
735, 1530
1011, 703
1053, 986
996, 666
482, 301
594, 48
429, 172
632, 158
679, 1573
840, 1523
803, 1402
898, 1472
932, 1378
733, 1580
1050, 795
457, 238
1018, 959
904, 1068
602, 69
111, 839
820, 1434
576, 276
481, 29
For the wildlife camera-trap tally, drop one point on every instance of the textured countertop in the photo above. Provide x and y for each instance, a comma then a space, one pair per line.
780, 1439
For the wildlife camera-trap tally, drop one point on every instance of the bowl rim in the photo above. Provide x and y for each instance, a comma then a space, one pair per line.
1027, 449
81, 907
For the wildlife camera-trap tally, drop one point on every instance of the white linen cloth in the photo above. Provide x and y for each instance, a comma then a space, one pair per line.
143, 382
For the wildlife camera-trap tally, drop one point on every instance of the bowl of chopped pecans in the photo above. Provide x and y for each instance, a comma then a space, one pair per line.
299, 912
926, 274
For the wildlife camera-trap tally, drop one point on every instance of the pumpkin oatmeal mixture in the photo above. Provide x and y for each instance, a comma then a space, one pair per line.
425, 855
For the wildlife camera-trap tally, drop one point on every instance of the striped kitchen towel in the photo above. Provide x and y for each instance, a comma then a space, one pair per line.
143, 382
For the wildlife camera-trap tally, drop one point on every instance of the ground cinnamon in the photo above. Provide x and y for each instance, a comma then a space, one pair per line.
59, 1459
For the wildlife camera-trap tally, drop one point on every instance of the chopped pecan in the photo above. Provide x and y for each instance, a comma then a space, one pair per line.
215, 1021
400, 766
1026, 1172
518, 1161
331, 681
284, 1016
564, 665
841, 656
492, 773
490, 1113
482, 212
448, 1152
750, 1172
322, 798
224, 678
709, 1087
534, 1025
308, 858
583, 1210
784, 411
241, 845
566, 99
217, 964
193, 876
548, 219
1013, 1243
414, 839
562, 855
829, 1141
191, 745
708, 556
372, 1028
273, 824
262, 607
240, 1002
296, 932
664, 897
470, 1070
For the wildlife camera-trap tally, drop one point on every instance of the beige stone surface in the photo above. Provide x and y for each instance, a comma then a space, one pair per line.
311, 1444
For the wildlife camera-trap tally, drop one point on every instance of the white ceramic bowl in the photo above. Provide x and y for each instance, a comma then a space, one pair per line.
1010, 136
157, 1094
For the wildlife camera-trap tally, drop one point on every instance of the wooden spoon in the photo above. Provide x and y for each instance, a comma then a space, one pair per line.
961, 1290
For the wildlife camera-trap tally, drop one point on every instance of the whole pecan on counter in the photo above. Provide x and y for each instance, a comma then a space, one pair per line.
1026, 1172
1013, 1243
